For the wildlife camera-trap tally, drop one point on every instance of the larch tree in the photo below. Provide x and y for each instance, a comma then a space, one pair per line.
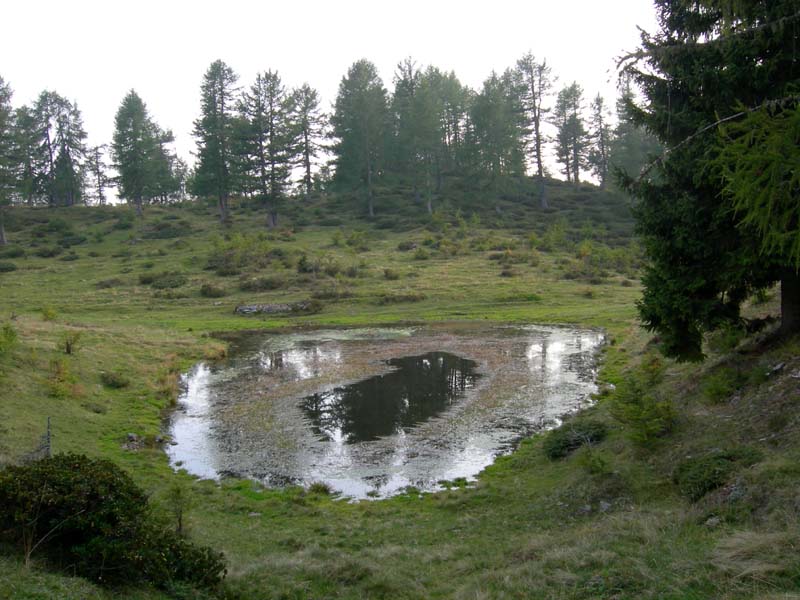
359, 128
97, 179
600, 141
537, 80
8, 162
571, 136
267, 140
215, 173
711, 209
309, 125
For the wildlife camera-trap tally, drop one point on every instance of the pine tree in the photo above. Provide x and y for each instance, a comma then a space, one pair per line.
632, 147
215, 174
360, 124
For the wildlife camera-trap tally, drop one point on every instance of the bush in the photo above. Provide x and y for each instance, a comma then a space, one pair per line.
638, 406
70, 257
7, 267
237, 252
400, 298
572, 436
209, 290
71, 240
722, 383
89, 515
163, 281
421, 254
49, 313
167, 229
104, 284
8, 337
115, 381
12, 252
49, 251
261, 284
697, 476
391, 274
406, 246
70, 341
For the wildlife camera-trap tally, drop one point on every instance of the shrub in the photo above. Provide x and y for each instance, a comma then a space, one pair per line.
109, 283
332, 293
209, 290
261, 284
572, 436
49, 251
164, 281
722, 383
7, 267
638, 406
12, 252
229, 256
70, 341
167, 229
123, 222
114, 380
400, 298
357, 240
70, 257
421, 254
89, 515
8, 337
48, 313
71, 240
697, 476
391, 274
406, 246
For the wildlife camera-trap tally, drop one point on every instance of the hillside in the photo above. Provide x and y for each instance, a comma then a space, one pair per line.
702, 506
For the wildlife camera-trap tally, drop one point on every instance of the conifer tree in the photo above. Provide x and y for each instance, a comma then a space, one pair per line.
571, 137
309, 126
600, 141
96, 179
359, 127
8, 161
215, 173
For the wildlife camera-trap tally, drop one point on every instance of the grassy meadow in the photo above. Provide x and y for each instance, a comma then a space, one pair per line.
136, 302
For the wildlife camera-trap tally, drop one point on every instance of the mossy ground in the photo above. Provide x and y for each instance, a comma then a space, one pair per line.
605, 522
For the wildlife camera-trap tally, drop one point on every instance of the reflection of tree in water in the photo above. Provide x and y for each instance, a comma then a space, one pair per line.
420, 388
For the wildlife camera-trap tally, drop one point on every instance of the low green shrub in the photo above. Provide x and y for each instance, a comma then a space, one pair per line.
109, 283
262, 284
391, 274
697, 476
70, 240
12, 252
7, 267
114, 380
70, 342
720, 384
8, 338
164, 281
639, 406
48, 251
209, 290
89, 516
571, 436
400, 298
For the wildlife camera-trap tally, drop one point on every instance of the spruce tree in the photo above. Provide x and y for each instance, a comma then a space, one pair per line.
600, 141
571, 137
8, 163
712, 62
309, 126
359, 128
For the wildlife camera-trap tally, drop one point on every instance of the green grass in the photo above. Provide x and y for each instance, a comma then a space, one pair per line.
530, 527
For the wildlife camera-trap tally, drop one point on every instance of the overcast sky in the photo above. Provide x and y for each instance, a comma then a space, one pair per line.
93, 52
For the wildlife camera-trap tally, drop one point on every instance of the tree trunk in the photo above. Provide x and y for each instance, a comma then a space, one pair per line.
543, 194
3, 240
790, 302
223, 209
138, 203
370, 208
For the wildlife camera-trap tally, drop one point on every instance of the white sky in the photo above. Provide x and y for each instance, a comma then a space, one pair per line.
93, 52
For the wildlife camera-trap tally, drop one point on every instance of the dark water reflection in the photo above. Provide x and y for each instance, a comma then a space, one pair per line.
419, 388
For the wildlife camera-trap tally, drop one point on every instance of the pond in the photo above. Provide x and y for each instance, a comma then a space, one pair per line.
373, 411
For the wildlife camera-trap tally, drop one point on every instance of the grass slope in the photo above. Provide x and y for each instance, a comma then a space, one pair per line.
606, 522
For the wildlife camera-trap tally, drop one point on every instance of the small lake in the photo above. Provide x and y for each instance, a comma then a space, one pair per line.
372, 411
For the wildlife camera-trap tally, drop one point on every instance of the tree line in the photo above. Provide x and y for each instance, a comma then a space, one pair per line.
270, 143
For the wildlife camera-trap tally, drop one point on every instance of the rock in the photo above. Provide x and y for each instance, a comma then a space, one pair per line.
713, 522
132, 437
254, 514
604, 506
273, 309
585, 509
777, 369
173, 443
795, 374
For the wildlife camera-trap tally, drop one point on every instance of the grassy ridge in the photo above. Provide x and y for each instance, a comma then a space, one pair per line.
606, 522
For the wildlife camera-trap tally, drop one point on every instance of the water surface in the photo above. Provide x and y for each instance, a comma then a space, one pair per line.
372, 411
